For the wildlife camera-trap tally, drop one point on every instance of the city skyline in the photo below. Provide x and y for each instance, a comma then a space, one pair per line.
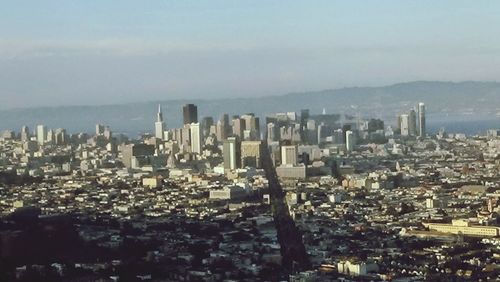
303, 196
239, 140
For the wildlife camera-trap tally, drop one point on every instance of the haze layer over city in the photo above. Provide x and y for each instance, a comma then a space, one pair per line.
249, 141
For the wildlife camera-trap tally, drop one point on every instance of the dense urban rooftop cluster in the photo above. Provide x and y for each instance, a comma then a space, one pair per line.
371, 202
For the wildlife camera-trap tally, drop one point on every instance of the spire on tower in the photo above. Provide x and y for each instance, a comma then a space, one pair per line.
159, 125
159, 117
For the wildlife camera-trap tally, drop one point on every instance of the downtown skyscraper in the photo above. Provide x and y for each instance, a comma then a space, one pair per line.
190, 113
159, 125
41, 134
421, 119
196, 138
231, 151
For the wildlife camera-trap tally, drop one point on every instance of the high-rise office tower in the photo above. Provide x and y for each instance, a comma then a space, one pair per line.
252, 124
190, 113
99, 129
251, 153
286, 133
185, 134
272, 132
345, 128
206, 123
231, 151
288, 155
350, 142
338, 136
290, 132
256, 126
220, 132
421, 119
177, 135
50, 137
311, 132
25, 133
238, 126
213, 131
321, 133
60, 136
398, 123
412, 124
41, 133
196, 138
225, 124
249, 121
223, 128
375, 125
405, 125
135, 155
304, 117
159, 125
107, 133
296, 133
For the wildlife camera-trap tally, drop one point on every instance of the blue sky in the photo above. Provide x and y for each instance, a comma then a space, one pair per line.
99, 52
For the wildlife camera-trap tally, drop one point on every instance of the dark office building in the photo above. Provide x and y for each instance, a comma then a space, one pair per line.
206, 123
225, 124
377, 124
190, 113
304, 117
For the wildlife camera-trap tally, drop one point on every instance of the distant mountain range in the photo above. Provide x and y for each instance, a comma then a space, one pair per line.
445, 101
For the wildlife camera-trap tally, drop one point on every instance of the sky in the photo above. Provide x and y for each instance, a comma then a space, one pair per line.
93, 52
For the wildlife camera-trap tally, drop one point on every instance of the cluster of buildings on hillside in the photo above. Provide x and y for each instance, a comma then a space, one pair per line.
372, 202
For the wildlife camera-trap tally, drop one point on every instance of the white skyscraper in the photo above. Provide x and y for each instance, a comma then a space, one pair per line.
405, 125
288, 155
231, 153
159, 125
196, 138
421, 119
271, 132
50, 139
25, 133
99, 129
41, 133
349, 140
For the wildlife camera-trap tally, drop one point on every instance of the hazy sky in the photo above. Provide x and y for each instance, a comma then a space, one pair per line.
95, 51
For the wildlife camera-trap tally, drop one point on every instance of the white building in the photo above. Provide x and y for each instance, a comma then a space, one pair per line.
405, 125
431, 203
41, 134
196, 138
159, 125
231, 153
349, 140
271, 132
289, 155
355, 268
291, 171
228, 193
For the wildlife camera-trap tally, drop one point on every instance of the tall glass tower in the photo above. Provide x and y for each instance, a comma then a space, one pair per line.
421, 119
